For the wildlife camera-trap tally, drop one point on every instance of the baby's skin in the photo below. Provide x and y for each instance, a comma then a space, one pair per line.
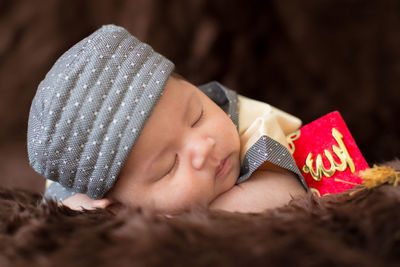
188, 155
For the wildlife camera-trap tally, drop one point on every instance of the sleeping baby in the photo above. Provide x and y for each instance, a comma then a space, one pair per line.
112, 125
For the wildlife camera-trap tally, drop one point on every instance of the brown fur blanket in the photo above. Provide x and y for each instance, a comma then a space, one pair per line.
362, 229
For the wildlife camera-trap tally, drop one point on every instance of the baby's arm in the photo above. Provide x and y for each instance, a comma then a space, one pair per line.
266, 189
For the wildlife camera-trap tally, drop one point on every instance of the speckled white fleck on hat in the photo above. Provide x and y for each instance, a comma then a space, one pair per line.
91, 107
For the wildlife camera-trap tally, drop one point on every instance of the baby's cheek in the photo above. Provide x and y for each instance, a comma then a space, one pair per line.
163, 196
190, 192
228, 129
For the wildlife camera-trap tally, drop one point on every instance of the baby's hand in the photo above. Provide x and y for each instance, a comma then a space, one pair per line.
83, 202
266, 189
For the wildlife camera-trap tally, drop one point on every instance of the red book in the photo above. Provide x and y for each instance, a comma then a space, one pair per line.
327, 155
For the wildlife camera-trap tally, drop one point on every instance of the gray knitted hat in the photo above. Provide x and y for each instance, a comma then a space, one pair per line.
91, 107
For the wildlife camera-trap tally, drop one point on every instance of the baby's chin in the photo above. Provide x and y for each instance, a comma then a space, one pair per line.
230, 181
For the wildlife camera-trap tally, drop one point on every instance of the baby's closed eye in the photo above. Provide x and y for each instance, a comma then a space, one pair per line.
173, 166
199, 118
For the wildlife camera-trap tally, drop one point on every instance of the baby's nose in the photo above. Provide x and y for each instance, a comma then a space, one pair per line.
201, 150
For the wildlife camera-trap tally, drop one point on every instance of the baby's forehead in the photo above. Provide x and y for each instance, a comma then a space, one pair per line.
177, 96
172, 113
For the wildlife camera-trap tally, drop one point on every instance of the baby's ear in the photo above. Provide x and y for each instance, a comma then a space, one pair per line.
82, 201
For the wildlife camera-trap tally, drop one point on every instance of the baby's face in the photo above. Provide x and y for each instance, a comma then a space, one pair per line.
186, 155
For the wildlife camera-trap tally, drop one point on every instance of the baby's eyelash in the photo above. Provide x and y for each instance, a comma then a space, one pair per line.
199, 119
173, 165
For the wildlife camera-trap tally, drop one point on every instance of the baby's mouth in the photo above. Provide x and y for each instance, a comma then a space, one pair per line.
224, 167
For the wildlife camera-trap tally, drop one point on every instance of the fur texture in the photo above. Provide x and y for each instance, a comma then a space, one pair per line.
337, 230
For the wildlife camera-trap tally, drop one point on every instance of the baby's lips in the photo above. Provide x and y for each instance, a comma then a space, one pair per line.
218, 167
221, 167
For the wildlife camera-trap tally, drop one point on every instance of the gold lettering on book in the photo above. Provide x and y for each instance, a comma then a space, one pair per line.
340, 151
290, 141
315, 191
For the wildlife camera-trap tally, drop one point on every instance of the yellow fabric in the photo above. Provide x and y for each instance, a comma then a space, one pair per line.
257, 119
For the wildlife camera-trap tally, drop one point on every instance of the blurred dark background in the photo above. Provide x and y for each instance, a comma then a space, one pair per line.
306, 57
